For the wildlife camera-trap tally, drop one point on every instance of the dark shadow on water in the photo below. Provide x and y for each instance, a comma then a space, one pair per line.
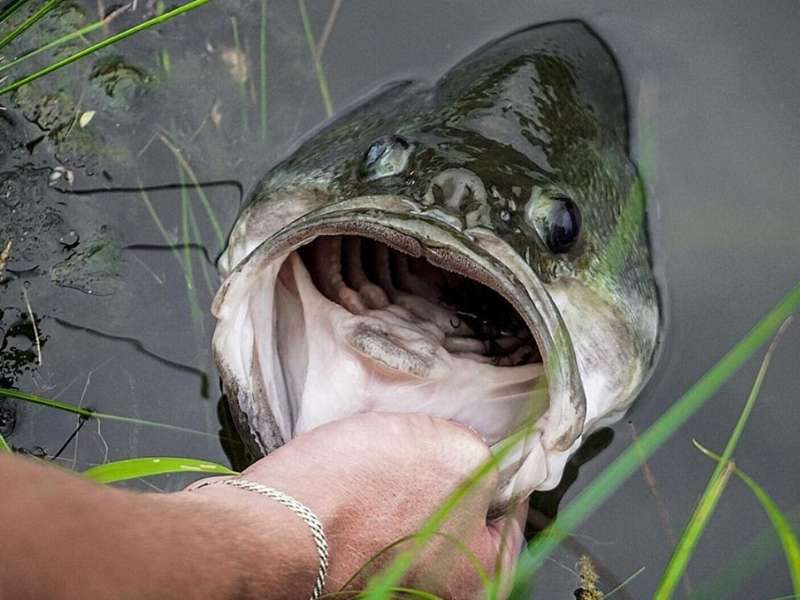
544, 509
546, 503
201, 375
157, 188
173, 247
232, 445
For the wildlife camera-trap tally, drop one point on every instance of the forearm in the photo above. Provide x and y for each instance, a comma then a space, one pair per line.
67, 538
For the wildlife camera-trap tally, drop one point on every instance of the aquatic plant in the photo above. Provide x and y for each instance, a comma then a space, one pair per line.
716, 485
134, 468
76, 56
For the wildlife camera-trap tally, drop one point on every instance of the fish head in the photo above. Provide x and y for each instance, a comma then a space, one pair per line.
475, 249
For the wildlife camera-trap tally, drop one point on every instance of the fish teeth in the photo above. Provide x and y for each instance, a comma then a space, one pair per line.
383, 266
409, 282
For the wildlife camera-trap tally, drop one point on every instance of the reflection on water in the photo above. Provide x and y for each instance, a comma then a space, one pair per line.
119, 280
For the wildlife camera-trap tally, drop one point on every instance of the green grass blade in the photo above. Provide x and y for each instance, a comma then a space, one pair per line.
4, 447
58, 404
691, 535
716, 484
628, 462
749, 559
187, 256
134, 468
195, 312
751, 399
242, 81
29, 22
262, 96
212, 288
791, 546
11, 9
113, 39
91, 414
163, 231
212, 217
165, 60
55, 43
184, 259
315, 59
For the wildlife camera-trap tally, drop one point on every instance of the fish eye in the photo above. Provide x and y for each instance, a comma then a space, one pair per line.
386, 156
556, 220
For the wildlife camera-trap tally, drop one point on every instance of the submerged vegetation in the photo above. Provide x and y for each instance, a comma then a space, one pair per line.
84, 52
64, 120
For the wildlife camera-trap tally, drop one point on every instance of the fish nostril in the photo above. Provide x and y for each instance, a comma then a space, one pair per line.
456, 189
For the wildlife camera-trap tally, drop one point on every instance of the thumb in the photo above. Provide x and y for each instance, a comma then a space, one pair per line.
508, 536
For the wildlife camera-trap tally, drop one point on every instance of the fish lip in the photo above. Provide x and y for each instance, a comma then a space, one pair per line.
401, 223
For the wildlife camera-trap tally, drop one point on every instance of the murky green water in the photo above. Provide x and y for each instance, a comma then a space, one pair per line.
120, 281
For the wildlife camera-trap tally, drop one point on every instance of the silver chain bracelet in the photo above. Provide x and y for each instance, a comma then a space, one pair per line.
301, 510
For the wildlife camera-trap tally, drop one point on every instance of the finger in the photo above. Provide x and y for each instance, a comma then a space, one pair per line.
496, 547
508, 538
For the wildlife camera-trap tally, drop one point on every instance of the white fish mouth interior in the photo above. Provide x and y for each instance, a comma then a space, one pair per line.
353, 325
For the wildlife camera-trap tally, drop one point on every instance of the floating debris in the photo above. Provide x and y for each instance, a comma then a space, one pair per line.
61, 172
5, 254
70, 239
32, 317
86, 118
589, 580
216, 114
18, 341
8, 417
237, 64
121, 81
93, 270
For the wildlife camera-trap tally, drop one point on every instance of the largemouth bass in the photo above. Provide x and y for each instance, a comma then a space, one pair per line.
475, 249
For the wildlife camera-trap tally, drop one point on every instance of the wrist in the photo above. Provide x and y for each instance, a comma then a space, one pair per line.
273, 544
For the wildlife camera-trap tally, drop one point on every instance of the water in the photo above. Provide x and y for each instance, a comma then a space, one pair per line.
717, 128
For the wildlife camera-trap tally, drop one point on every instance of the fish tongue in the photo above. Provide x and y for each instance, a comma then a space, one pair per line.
394, 338
352, 363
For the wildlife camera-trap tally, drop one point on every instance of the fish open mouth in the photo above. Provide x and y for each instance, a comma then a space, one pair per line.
388, 331
354, 311
467, 319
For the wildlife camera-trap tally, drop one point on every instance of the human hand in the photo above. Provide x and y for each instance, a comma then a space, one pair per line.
375, 478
